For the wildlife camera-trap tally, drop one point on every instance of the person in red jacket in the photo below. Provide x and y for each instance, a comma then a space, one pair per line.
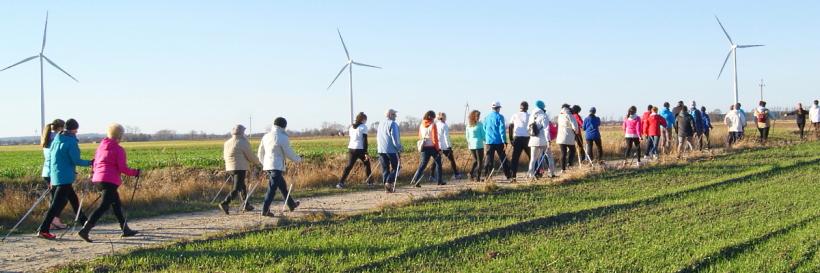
655, 125
645, 129
109, 164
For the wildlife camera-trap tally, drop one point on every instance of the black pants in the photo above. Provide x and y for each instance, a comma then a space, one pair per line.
239, 186
61, 195
567, 155
764, 134
426, 154
352, 156
630, 141
593, 143
390, 164
579, 141
276, 181
449, 154
732, 138
705, 138
478, 162
492, 150
519, 145
801, 127
110, 198
75, 203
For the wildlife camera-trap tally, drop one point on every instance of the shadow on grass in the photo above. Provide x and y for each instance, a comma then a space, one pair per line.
570, 217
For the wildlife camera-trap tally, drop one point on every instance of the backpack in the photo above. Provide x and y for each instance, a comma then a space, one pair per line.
761, 117
533, 129
553, 130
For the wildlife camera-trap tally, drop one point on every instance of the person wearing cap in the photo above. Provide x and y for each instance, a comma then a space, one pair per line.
567, 128
814, 116
274, 149
428, 138
357, 149
388, 146
475, 142
495, 140
64, 157
697, 118
592, 124
239, 159
800, 117
517, 131
444, 142
539, 142
763, 120
109, 164
666, 134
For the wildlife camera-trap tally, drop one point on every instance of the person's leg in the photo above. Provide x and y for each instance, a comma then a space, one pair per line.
534, 160
708, 140
450, 156
637, 142
351, 160
393, 159
282, 186
564, 153
502, 155
269, 194
516, 155
384, 162
237, 187
425, 158
71, 196
480, 153
628, 149
589, 144
490, 158
572, 155
800, 127
58, 202
474, 164
360, 154
107, 199
550, 159
437, 168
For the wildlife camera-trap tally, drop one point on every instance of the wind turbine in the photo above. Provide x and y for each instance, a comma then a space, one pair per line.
42, 88
732, 52
349, 66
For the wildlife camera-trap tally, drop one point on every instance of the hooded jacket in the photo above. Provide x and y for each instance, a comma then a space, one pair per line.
542, 137
697, 118
732, 121
567, 128
654, 123
110, 162
645, 123
64, 157
387, 138
429, 134
684, 125
475, 136
46, 154
494, 129
443, 135
237, 153
762, 111
591, 127
814, 114
632, 126
668, 116
274, 149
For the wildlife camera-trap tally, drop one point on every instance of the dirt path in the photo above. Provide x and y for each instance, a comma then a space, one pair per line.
25, 253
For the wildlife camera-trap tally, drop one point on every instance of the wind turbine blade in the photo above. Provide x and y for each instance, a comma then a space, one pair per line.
724, 63
724, 30
343, 44
58, 67
45, 30
373, 66
746, 46
23, 61
337, 75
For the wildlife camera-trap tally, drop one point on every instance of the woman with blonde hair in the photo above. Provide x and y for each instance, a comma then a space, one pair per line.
444, 142
475, 142
109, 163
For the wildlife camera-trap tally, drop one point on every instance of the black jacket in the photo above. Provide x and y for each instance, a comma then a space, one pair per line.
684, 125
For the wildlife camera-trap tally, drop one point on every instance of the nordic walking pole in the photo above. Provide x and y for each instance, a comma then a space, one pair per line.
396, 176
220, 188
131, 200
76, 219
77, 215
250, 193
379, 163
40, 199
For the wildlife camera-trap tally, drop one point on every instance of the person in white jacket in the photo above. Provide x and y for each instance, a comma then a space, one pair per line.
539, 141
444, 142
567, 128
273, 151
814, 117
733, 124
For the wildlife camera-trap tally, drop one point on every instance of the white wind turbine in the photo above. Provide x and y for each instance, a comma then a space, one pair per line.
732, 52
42, 88
349, 66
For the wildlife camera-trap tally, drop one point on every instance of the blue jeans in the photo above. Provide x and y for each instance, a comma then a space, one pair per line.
276, 181
653, 145
426, 154
390, 164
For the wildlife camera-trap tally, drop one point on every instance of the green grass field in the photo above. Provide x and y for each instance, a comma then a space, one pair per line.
754, 211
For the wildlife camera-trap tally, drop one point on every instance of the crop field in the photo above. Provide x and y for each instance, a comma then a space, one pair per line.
751, 211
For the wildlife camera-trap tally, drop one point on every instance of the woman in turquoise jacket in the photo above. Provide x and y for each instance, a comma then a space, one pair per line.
475, 142
64, 157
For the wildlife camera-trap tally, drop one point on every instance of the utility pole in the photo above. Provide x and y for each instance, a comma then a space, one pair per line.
250, 127
761, 89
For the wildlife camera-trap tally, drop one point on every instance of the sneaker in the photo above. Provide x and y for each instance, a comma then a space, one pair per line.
388, 187
295, 205
249, 208
128, 232
442, 183
267, 214
46, 235
84, 235
224, 208
417, 184
340, 186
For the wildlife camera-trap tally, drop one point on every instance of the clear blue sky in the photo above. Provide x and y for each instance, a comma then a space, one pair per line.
206, 65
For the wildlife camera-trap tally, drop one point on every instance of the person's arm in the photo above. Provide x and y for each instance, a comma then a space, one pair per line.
246, 151
260, 153
510, 130
394, 136
122, 164
74, 155
289, 151
501, 128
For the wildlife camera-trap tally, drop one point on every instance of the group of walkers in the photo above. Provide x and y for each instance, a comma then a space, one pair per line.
530, 132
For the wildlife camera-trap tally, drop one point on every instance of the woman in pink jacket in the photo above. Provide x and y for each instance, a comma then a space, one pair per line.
632, 133
109, 164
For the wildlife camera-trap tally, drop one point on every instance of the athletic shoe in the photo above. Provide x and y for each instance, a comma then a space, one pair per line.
267, 214
46, 235
340, 186
442, 183
127, 232
249, 208
388, 187
224, 208
84, 235
295, 205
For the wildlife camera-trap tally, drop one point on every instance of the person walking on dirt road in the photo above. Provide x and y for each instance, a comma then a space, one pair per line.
428, 146
475, 142
388, 145
239, 159
495, 140
357, 149
274, 149
539, 142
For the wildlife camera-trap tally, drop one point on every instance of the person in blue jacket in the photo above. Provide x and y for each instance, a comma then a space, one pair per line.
666, 137
593, 135
697, 117
389, 149
64, 157
495, 140
707, 128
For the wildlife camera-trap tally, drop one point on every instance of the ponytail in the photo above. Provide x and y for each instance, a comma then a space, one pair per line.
45, 137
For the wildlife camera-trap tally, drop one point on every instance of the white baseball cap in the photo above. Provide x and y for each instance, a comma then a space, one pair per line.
496, 104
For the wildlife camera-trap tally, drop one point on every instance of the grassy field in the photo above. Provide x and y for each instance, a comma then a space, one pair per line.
753, 211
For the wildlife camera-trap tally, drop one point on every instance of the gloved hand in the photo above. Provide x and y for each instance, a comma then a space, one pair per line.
139, 172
